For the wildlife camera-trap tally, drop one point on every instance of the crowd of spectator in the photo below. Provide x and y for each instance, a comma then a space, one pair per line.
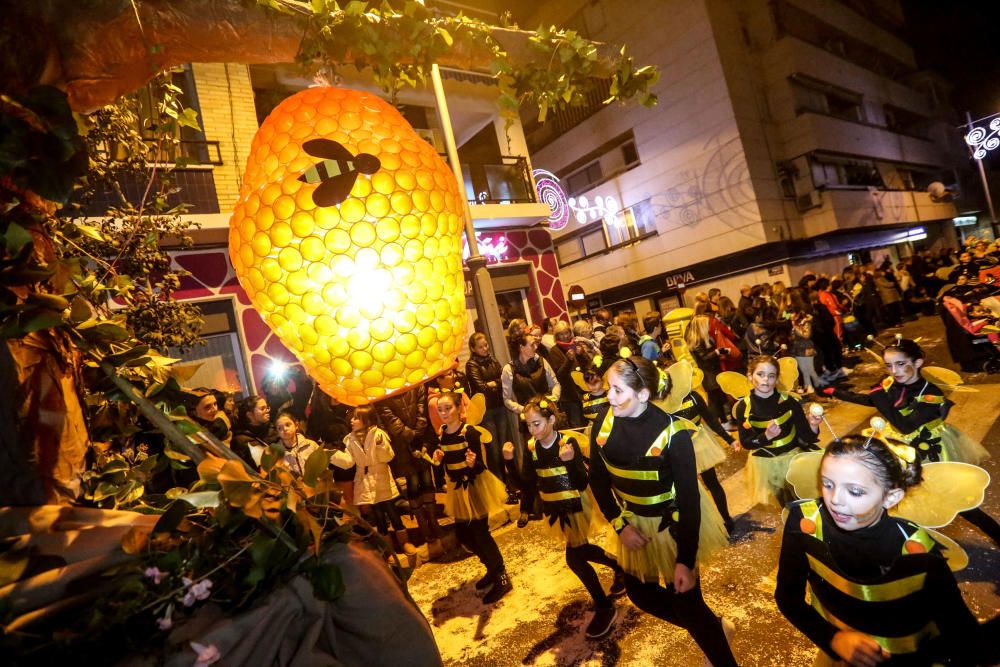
816, 321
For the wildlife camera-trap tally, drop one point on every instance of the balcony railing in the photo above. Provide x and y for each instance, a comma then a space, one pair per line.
189, 152
506, 182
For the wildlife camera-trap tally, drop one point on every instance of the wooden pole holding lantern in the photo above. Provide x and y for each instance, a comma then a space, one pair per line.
482, 284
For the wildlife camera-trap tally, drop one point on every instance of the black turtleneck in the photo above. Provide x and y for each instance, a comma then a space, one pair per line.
898, 396
862, 555
630, 438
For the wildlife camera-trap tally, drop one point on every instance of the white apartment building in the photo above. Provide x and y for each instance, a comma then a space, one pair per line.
790, 134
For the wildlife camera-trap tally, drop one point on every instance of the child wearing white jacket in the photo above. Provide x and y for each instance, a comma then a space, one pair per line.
375, 492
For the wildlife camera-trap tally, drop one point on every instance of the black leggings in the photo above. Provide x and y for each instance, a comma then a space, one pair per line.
714, 487
579, 560
984, 522
475, 536
419, 480
687, 610
384, 514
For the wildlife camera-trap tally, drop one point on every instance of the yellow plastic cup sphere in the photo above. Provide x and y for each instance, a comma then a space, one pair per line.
363, 284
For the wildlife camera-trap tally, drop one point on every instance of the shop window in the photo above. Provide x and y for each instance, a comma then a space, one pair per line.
219, 363
585, 243
829, 172
630, 224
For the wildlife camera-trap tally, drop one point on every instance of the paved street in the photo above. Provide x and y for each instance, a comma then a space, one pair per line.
542, 621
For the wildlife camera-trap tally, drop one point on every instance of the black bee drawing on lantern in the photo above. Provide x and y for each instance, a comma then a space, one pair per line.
337, 172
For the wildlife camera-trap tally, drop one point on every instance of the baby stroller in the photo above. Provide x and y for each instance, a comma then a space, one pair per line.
974, 344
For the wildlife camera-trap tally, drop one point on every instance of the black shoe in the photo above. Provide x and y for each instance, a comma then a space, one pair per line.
618, 585
513, 498
535, 516
485, 583
501, 586
522, 521
602, 622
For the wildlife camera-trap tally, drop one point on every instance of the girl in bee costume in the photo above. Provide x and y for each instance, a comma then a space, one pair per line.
916, 410
879, 586
559, 473
772, 425
645, 480
472, 494
710, 440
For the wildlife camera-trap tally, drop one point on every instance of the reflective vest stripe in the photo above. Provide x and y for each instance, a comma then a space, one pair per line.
645, 500
892, 590
895, 645
560, 495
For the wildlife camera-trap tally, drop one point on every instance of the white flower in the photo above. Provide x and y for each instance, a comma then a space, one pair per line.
206, 654
196, 590
153, 573
165, 623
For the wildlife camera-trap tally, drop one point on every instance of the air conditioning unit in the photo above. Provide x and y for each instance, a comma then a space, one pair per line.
810, 200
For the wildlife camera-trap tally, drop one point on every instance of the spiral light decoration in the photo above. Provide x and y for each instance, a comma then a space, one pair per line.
551, 193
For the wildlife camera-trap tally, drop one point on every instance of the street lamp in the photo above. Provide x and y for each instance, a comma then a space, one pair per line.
982, 140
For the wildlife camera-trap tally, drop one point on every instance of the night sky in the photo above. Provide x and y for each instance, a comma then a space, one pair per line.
960, 39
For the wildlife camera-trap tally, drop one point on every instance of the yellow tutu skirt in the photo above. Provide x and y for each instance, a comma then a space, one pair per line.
656, 560
766, 477
581, 525
480, 499
956, 446
709, 450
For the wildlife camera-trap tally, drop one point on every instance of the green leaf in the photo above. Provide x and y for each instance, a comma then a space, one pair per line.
327, 581
188, 118
128, 355
172, 518
50, 301
42, 319
80, 309
175, 455
91, 232
200, 499
12, 565
316, 464
16, 238
446, 36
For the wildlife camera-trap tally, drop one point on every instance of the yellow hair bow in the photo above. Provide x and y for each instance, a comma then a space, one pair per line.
904, 453
543, 404
624, 353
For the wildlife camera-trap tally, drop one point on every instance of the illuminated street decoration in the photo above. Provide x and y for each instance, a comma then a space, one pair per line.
551, 193
581, 208
983, 140
602, 207
347, 239
493, 248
